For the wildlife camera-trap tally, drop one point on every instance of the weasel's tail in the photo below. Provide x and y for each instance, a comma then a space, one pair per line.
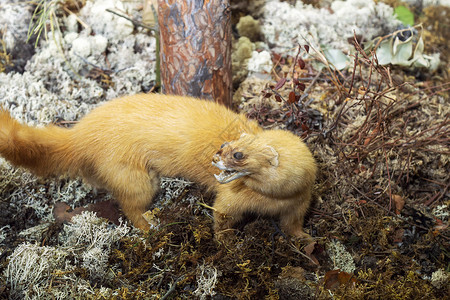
44, 151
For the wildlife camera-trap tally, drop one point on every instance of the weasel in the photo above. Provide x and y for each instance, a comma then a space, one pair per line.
126, 144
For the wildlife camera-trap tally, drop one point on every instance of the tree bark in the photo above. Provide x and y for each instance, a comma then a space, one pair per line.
195, 37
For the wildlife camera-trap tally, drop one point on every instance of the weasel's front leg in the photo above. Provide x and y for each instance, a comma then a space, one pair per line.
224, 222
292, 220
226, 214
293, 225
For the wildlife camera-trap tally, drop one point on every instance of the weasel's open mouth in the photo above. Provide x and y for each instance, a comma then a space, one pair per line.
228, 175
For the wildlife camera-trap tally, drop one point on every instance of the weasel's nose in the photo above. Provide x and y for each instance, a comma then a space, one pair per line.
216, 158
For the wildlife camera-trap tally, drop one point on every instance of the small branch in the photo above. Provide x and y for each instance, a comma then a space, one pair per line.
206, 206
172, 288
392, 213
308, 88
437, 197
135, 23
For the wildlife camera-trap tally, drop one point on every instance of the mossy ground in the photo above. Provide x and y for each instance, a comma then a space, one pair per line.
381, 139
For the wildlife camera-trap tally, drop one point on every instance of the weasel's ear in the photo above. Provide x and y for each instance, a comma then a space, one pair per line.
273, 156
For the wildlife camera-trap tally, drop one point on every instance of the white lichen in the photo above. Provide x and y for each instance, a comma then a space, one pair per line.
3, 233
30, 267
13, 32
340, 257
440, 279
260, 62
93, 238
36, 272
206, 281
35, 233
286, 25
46, 90
426, 3
171, 189
441, 211
55, 85
100, 20
72, 192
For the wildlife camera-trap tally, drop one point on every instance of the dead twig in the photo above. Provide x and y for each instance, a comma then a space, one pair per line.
172, 288
135, 23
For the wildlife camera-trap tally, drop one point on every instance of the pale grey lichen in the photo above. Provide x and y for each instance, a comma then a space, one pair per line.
35, 233
55, 86
35, 272
72, 192
46, 90
440, 279
260, 62
22, 189
340, 257
171, 189
30, 267
14, 31
286, 25
93, 239
3, 234
426, 3
441, 211
206, 281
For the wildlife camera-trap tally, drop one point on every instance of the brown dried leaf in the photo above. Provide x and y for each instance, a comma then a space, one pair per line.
301, 86
335, 278
331, 280
105, 209
306, 48
292, 98
293, 272
276, 57
309, 249
266, 94
280, 83
64, 213
347, 278
305, 127
399, 203
372, 135
301, 63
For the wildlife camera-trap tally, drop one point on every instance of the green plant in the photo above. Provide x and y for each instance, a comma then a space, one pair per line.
44, 13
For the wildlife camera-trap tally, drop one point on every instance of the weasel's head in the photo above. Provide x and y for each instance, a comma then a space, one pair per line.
247, 156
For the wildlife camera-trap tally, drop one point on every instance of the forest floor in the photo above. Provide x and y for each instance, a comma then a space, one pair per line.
379, 218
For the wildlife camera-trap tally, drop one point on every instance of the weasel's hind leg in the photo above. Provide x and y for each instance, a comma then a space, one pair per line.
134, 189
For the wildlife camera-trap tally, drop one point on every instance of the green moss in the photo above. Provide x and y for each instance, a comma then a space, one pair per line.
249, 27
242, 51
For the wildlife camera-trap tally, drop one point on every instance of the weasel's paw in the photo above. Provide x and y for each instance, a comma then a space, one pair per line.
226, 237
299, 234
141, 223
303, 237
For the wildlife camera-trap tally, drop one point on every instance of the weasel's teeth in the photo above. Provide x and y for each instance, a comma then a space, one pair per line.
219, 165
229, 175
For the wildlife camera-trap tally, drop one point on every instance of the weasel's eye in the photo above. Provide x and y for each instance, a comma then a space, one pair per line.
238, 155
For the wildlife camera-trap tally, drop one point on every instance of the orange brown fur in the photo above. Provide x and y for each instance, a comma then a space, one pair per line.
126, 144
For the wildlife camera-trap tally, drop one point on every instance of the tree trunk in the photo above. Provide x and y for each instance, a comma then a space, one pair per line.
196, 48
